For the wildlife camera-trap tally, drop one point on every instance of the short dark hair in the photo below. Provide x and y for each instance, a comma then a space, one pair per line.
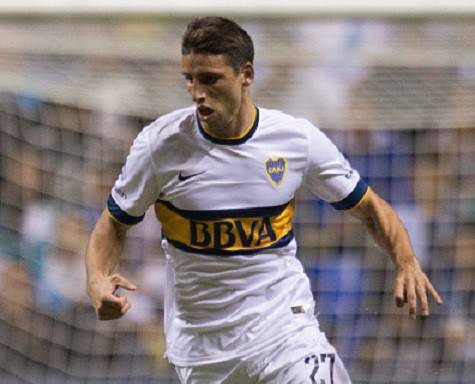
218, 36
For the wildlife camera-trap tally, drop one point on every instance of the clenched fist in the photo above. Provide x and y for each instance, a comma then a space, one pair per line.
103, 293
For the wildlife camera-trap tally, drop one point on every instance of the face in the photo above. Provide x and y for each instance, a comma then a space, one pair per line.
218, 90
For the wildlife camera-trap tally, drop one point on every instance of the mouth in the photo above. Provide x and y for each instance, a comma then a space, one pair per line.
204, 112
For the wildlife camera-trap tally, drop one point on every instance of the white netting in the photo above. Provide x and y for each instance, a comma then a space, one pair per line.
397, 97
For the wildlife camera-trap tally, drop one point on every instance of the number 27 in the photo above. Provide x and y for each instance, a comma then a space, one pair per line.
317, 360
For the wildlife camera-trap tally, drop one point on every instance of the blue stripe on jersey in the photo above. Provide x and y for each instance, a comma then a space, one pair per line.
121, 215
241, 140
226, 213
353, 198
222, 252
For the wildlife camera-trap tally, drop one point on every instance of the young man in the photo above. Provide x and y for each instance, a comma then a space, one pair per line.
222, 176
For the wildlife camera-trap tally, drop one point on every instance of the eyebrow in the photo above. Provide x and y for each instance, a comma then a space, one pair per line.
207, 73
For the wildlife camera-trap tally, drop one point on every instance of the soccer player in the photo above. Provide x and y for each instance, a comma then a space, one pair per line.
222, 175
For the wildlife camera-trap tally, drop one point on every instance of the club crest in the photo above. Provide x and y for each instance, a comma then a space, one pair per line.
275, 169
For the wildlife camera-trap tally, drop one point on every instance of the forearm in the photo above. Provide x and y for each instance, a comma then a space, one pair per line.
104, 248
387, 230
391, 235
102, 256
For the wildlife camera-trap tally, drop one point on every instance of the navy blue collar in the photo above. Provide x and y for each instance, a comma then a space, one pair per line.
237, 141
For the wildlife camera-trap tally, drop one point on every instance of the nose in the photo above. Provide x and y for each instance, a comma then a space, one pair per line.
197, 91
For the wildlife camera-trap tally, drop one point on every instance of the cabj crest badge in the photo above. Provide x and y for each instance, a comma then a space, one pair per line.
275, 170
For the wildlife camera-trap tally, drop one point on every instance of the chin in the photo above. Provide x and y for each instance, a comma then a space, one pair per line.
212, 123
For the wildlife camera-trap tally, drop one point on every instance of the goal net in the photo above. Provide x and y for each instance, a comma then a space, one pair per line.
396, 96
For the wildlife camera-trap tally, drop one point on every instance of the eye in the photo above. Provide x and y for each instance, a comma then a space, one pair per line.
209, 79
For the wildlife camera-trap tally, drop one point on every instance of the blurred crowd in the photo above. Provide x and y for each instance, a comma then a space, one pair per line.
55, 178
54, 189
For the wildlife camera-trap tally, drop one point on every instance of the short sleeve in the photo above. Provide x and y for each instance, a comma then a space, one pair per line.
137, 186
329, 174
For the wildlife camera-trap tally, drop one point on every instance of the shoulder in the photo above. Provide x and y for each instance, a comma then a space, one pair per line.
275, 116
282, 120
159, 133
170, 122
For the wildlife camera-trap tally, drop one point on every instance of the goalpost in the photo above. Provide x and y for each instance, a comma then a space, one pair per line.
392, 84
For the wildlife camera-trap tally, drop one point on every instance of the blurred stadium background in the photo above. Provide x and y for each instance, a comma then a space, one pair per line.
394, 90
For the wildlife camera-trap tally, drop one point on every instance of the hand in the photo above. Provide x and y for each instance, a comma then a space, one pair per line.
411, 284
108, 304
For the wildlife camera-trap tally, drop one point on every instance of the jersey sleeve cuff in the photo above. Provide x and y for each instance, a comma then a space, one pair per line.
354, 198
121, 216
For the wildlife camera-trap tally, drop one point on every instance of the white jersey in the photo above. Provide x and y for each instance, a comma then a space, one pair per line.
226, 206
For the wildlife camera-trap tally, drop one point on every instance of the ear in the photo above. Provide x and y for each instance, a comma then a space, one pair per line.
248, 74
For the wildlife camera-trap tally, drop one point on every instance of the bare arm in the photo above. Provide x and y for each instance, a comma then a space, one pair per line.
102, 256
411, 282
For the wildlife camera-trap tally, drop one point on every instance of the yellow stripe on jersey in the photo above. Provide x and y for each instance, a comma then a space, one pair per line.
242, 231
362, 199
